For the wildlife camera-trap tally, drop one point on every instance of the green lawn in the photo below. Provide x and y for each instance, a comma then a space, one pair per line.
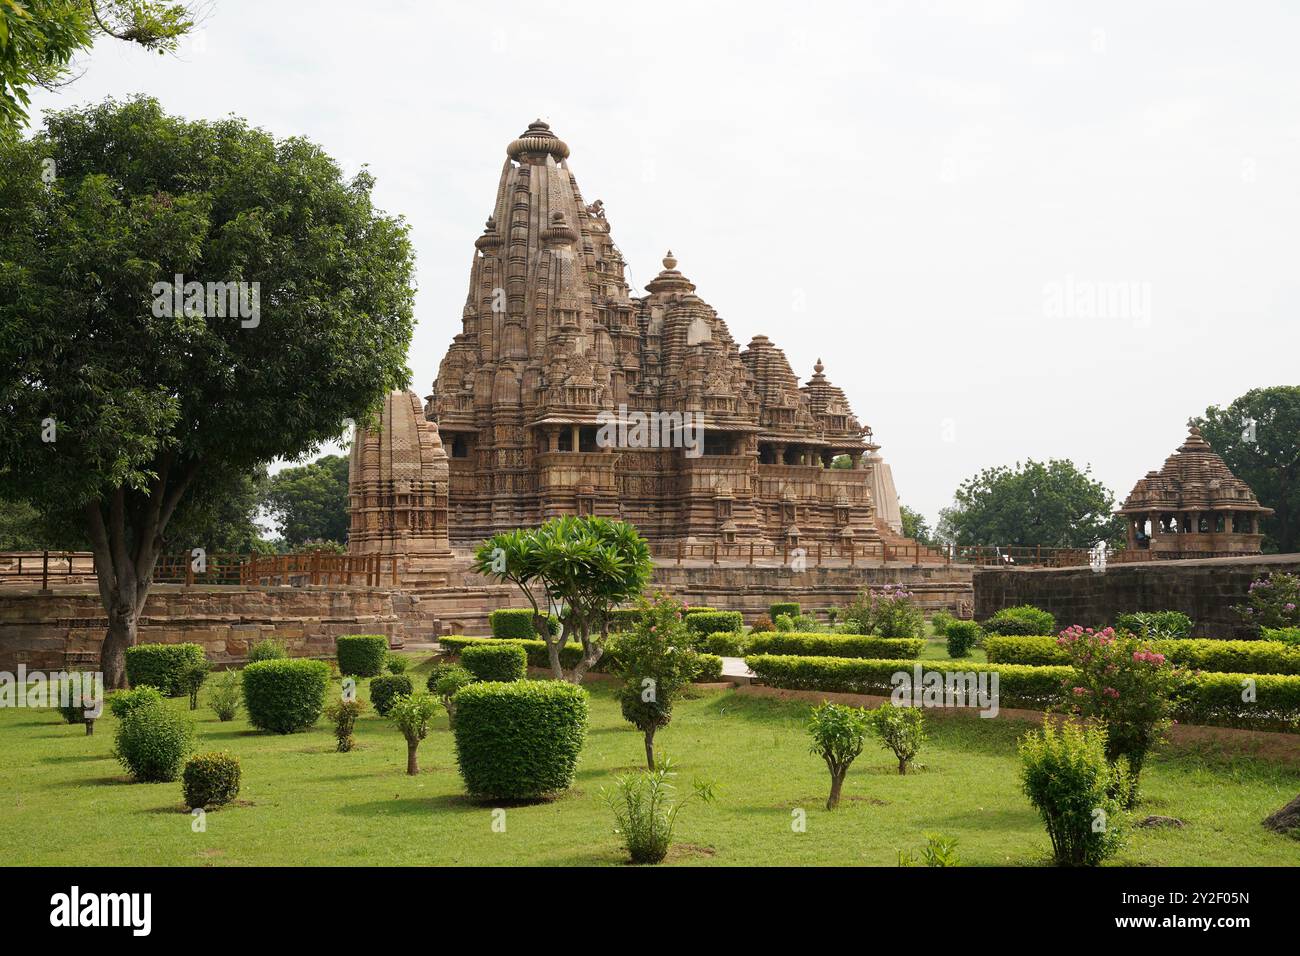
66, 801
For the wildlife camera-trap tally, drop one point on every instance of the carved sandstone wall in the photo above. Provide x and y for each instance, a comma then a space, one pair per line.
41, 629
1205, 590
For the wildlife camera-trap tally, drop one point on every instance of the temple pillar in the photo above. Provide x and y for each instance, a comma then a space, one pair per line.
1132, 532
576, 433
1254, 523
1155, 526
553, 439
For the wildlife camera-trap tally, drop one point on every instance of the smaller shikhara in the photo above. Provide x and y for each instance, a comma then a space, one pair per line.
566, 394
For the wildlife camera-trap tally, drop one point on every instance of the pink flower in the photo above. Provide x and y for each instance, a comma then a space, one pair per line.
1110, 692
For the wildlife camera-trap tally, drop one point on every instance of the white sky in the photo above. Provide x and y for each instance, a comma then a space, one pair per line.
900, 188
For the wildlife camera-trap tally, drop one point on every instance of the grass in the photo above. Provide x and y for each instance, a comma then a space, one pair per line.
67, 801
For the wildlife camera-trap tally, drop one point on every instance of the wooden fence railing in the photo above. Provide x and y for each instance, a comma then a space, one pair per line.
314, 568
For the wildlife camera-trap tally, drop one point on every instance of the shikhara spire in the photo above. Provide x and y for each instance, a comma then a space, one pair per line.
551, 338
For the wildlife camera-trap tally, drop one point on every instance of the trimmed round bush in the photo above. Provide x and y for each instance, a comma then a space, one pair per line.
962, 636
271, 649
362, 655
210, 780
387, 688
517, 623
495, 662
1025, 620
703, 623
709, 669
151, 742
783, 607
726, 644
285, 696
519, 740
122, 702
396, 663
162, 665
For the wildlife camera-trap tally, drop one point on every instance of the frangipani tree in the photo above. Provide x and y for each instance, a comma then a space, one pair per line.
577, 568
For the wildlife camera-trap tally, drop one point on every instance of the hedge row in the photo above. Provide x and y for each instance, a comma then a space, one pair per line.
1227, 657
517, 622
702, 623
836, 645
1018, 685
362, 655
571, 654
1213, 698
162, 665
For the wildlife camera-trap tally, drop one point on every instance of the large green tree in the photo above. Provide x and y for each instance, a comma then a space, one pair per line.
1053, 505
122, 408
1258, 436
915, 526
311, 501
38, 39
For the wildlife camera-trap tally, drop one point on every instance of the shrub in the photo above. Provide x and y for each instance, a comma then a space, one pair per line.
939, 850
838, 736
225, 695
396, 663
411, 714
698, 609
703, 623
344, 713
210, 779
193, 674
1286, 635
270, 649
1155, 624
285, 696
762, 624
386, 688
644, 812
1272, 601
783, 607
620, 619
1024, 619
122, 702
519, 740
1120, 682
517, 622
496, 662
962, 636
900, 729
655, 662
161, 665
836, 645
887, 612
939, 622
83, 693
152, 741
444, 681
708, 669
1077, 792
726, 644
784, 623
362, 655
1018, 686
1205, 654
570, 654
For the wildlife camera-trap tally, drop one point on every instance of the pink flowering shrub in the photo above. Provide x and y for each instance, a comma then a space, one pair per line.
887, 611
1273, 601
1124, 685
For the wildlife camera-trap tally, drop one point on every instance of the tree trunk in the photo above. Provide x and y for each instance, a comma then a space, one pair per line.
412, 767
553, 645
837, 783
122, 630
902, 765
90, 728
650, 749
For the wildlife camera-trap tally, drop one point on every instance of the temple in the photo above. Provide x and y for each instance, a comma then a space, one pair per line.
1193, 507
563, 393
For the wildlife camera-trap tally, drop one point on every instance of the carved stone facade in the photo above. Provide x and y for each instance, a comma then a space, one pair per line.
397, 491
1193, 507
539, 396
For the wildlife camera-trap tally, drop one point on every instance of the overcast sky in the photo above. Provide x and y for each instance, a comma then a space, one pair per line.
928, 196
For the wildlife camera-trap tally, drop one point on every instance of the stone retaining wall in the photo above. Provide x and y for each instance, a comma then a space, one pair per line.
1205, 590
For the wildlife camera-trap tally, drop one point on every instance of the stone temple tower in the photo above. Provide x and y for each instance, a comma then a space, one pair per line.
397, 491
553, 345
